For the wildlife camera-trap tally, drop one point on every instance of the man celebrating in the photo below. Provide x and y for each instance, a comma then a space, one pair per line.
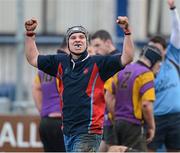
83, 78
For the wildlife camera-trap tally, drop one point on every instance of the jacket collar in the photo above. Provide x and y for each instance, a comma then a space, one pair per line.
83, 57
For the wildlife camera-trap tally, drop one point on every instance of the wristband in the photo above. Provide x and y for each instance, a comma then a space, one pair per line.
30, 34
127, 33
172, 8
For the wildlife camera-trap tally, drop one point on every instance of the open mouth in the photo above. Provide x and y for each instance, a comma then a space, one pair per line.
78, 45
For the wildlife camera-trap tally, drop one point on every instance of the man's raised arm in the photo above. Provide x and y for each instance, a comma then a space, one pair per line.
31, 50
175, 24
128, 44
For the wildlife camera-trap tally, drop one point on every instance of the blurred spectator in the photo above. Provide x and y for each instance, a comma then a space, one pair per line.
102, 44
63, 47
46, 93
132, 93
47, 99
167, 86
90, 48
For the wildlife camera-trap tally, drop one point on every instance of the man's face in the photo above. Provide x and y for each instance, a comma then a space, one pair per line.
77, 43
100, 46
160, 47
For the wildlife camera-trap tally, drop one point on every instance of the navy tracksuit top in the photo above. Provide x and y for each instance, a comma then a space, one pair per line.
81, 88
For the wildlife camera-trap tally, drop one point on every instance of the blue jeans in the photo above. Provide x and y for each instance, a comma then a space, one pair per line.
82, 142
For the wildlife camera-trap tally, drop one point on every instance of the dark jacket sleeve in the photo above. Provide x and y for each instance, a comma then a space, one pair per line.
49, 63
109, 65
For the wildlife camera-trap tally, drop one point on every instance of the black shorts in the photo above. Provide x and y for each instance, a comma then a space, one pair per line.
109, 135
51, 134
130, 135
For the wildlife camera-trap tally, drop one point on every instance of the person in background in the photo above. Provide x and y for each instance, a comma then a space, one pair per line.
90, 48
132, 94
63, 47
83, 77
167, 87
45, 91
102, 44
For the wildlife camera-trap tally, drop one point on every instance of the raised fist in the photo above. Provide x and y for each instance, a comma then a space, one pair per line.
171, 3
123, 23
30, 26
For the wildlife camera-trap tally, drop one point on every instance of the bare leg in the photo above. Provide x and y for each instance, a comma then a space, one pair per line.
117, 148
103, 146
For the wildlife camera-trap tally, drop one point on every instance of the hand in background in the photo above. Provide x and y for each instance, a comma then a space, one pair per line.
171, 3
